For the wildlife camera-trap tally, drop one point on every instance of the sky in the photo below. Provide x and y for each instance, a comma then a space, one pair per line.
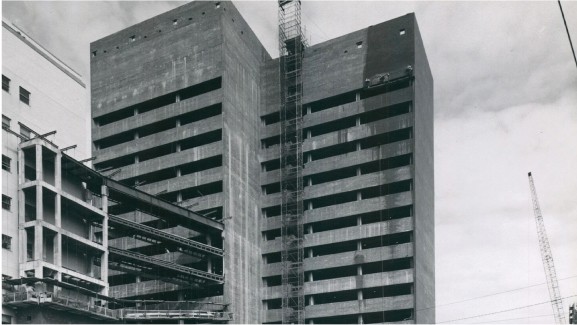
505, 104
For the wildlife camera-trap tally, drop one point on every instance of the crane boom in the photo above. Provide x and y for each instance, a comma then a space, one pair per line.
547, 257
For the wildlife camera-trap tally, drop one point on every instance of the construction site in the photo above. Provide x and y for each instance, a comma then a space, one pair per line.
228, 186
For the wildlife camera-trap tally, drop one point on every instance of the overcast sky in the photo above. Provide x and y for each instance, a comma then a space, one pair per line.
505, 104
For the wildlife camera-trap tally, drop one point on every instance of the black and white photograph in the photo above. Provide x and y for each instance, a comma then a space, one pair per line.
289, 162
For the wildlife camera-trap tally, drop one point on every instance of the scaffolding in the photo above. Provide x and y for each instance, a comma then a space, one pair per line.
291, 47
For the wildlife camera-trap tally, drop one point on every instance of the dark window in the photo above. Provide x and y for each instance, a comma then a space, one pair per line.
6, 319
5, 122
5, 83
6, 202
25, 132
24, 96
6, 242
6, 163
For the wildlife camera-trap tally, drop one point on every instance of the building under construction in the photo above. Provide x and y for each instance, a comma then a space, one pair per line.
311, 177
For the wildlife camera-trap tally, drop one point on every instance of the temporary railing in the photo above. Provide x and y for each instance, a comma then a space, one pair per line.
147, 233
139, 314
179, 271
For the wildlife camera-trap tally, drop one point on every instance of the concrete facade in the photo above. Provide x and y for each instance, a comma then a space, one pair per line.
31, 106
174, 105
368, 174
186, 106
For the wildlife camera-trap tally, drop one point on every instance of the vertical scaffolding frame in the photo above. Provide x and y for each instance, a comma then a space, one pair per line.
291, 47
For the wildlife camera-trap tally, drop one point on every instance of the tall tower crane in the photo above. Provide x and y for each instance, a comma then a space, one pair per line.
547, 257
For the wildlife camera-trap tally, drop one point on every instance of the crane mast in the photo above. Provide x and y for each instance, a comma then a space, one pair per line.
547, 257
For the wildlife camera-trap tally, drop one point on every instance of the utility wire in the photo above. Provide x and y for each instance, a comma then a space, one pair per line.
493, 294
505, 320
320, 29
567, 29
503, 311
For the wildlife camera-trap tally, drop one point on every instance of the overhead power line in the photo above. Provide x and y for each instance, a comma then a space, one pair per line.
503, 311
493, 294
518, 318
567, 29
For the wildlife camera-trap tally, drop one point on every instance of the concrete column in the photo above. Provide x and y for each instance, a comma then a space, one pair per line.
309, 134
180, 297
209, 258
22, 256
359, 270
308, 110
58, 170
178, 122
358, 171
311, 300
309, 181
21, 165
360, 298
178, 149
90, 260
309, 229
20, 206
136, 135
178, 172
358, 121
90, 231
310, 205
311, 279
358, 146
359, 196
359, 242
58, 252
38, 248
358, 96
311, 321
104, 257
39, 175
136, 159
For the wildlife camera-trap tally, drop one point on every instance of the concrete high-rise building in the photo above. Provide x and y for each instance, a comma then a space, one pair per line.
186, 106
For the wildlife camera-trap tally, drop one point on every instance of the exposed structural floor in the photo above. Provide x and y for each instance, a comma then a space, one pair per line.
75, 223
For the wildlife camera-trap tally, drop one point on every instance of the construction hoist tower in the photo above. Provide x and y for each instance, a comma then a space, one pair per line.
291, 47
547, 257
